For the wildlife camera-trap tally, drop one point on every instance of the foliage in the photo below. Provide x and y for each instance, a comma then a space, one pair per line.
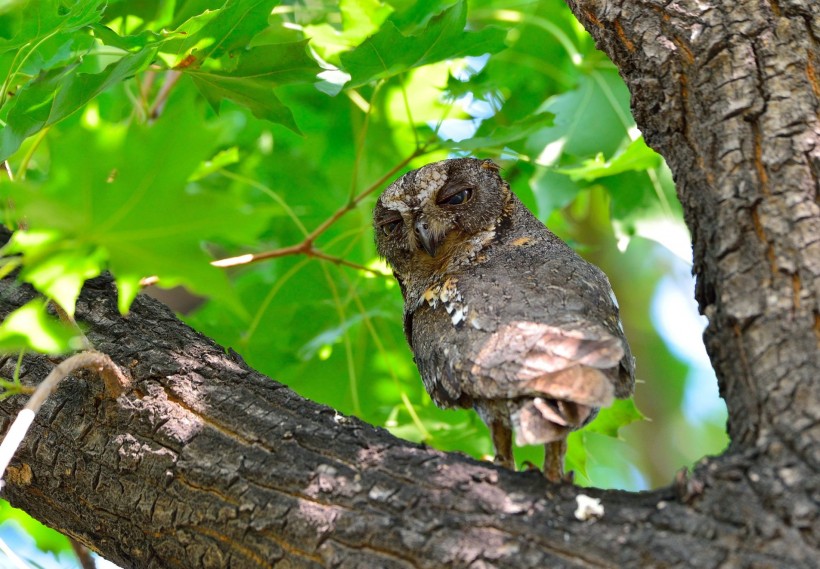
151, 138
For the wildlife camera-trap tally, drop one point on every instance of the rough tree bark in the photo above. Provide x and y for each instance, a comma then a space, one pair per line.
208, 464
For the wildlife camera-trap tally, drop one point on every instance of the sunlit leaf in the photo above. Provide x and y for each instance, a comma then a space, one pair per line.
132, 202
252, 80
129, 42
504, 135
636, 156
58, 94
35, 20
592, 118
57, 266
218, 162
610, 419
360, 18
231, 27
31, 327
391, 52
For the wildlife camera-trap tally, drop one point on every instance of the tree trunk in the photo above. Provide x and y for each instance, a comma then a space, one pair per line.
206, 463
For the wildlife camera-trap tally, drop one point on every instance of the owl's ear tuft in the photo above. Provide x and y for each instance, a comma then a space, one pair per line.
490, 165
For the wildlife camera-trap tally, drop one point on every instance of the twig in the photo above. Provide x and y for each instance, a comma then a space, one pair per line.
342, 261
83, 554
115, 383
357, 199
68, 319
164, 92
286, 251
306, 246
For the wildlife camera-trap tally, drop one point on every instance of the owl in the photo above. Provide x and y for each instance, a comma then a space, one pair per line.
500, 314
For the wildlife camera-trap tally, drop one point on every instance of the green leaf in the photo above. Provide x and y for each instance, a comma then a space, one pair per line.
334, 334
501, 136
56, 266
644, 204
590, 119
251, 82
41, 35
30, 327
40, 19
636, 156
132, 202
610, 419
577, 457
221, 160
57, 94
128, 43
360, 18
390, 52
229, 28
552, 191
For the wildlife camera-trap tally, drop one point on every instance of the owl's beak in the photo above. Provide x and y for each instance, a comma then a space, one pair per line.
422, 229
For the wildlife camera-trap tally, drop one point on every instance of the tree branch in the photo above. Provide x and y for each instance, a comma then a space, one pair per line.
306, 246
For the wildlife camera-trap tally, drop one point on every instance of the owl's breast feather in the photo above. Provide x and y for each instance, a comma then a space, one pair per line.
448, 295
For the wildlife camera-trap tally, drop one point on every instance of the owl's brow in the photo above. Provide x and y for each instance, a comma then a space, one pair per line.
387, 216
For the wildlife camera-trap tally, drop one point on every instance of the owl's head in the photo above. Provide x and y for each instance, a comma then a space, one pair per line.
429, 215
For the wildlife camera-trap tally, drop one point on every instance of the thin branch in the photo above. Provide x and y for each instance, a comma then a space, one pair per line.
171, 79
341, 261
286, 251
407, 110
366, 192
83, 554
306, 246
68, 319
114, 380
361, 140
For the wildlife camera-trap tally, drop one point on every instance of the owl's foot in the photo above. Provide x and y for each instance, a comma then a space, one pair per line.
554, 462
502, 441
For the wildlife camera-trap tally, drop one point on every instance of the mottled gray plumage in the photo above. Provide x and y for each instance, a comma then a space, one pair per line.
501, 315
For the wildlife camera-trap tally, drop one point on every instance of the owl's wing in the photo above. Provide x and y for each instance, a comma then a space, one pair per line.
533, 358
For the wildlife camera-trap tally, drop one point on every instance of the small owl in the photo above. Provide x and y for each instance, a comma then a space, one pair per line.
501, 315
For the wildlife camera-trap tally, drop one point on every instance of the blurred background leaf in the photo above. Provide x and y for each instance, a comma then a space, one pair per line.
150, 138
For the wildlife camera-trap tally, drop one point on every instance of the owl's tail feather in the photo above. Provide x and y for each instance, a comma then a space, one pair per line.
579, 383
566, 401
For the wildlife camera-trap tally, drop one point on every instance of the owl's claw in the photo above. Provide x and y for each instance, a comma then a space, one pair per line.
554, 462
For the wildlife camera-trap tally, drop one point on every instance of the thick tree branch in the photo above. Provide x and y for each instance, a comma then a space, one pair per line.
206, 463
729, 94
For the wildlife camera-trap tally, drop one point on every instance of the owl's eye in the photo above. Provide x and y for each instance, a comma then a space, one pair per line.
457, 198
388, 227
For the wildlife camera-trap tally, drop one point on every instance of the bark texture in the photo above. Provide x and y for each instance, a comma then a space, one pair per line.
205, 463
